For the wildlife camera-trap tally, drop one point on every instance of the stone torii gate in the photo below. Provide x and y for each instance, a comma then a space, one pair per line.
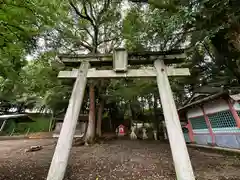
120, 59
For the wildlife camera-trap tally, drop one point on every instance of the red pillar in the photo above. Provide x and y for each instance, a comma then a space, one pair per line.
190, 131
209, 125
234, 113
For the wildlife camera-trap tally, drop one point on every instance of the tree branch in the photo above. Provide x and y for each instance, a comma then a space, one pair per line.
79, 43
108, 40
175, 42
85, 11
86, 17
208, 50
105, 7
91, 11
14, 26
20, 6
18, 37
86, 43
112, 46
88, 32
85, 46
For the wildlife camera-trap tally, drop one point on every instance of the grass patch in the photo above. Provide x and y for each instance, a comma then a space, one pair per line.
40, 124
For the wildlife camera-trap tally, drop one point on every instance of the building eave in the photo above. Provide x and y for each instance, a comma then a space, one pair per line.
209, 98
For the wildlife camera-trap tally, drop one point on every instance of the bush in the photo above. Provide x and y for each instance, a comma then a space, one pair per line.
40, 124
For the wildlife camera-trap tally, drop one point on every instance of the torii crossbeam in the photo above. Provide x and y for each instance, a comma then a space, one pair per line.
120, 61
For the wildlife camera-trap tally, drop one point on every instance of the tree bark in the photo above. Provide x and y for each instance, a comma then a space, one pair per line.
99, 118
90, 135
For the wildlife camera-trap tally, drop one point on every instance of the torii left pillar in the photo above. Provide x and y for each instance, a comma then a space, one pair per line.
62, 151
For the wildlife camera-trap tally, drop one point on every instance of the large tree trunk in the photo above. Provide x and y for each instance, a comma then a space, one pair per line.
99, 118
90, 135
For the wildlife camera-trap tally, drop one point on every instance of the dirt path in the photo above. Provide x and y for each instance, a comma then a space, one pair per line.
119, 159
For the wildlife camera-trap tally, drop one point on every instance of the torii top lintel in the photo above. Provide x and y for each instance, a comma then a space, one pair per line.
133, 58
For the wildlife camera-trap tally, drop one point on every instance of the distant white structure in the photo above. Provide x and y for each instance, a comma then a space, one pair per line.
145, 133
133, 135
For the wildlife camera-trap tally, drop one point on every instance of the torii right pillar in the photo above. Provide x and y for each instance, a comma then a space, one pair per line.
179, 150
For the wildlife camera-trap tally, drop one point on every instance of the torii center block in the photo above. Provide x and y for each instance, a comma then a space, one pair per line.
120, 60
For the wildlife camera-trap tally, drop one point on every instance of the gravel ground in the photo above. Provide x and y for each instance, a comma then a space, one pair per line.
117, 159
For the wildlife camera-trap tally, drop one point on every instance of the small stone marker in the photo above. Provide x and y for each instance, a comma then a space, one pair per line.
133, 135
155, 135
145, 133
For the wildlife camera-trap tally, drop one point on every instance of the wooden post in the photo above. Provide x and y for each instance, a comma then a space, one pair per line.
209, 126
179, 150
190, 131
12, 132
62, 151
234, 113
3, 125
27, 132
